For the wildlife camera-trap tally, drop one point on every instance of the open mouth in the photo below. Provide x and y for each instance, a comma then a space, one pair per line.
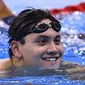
50, 58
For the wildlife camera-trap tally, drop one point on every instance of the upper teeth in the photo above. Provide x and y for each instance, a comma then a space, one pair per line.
50, 59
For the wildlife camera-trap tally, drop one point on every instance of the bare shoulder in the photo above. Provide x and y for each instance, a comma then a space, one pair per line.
71, 67
73, 70
5, 63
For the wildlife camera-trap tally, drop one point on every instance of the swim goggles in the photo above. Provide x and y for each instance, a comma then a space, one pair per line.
43, 27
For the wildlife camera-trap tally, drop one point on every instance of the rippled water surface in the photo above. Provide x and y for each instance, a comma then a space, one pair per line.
38, 77
73, 38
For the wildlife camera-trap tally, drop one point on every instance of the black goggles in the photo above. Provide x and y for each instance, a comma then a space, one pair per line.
43, 27
37, 29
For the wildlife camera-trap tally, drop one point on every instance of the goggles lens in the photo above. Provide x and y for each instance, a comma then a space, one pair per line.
43, 27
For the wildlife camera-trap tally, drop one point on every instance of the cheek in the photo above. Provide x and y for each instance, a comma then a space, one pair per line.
30, 52
38, 51
26, 51
61, 49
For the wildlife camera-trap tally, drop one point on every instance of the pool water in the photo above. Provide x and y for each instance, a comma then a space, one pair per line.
72, 33
38, 77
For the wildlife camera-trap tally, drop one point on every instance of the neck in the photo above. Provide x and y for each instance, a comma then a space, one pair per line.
17, 62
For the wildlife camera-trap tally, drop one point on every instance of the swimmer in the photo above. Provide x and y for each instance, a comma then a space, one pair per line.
35, 41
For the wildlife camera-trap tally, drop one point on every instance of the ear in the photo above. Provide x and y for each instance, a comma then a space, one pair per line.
15, 49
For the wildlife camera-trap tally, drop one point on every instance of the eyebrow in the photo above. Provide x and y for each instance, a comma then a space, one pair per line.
47, 37
43, 36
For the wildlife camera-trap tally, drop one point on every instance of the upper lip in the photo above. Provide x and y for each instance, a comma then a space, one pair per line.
56, 56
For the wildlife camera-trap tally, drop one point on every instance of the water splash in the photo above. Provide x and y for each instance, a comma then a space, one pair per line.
73, 35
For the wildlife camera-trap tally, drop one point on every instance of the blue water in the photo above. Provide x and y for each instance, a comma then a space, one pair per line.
74, 51
47, 80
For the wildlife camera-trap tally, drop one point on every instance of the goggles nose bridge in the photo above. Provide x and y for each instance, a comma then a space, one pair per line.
49, 25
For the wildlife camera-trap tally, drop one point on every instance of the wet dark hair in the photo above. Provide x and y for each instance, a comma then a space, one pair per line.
24, 23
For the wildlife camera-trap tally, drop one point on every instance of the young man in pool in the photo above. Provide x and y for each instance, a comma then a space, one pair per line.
35, 41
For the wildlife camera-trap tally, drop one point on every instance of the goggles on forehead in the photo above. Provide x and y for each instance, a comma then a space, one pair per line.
37, 29
43, 27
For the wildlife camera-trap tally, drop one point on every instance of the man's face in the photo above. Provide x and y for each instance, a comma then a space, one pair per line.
42, 50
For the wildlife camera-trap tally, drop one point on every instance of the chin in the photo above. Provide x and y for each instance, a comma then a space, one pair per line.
52, 67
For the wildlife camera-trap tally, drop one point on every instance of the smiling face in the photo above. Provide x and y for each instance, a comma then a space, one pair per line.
42, 50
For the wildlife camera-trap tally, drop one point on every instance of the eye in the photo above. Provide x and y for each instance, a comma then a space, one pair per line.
42, 42
57, 41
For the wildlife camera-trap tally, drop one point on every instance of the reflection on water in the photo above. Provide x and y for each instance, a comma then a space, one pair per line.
73, 38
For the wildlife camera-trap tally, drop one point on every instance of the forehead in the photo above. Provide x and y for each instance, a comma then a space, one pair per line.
47, 21
50, 33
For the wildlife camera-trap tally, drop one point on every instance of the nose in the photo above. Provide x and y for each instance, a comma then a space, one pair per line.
52, 49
